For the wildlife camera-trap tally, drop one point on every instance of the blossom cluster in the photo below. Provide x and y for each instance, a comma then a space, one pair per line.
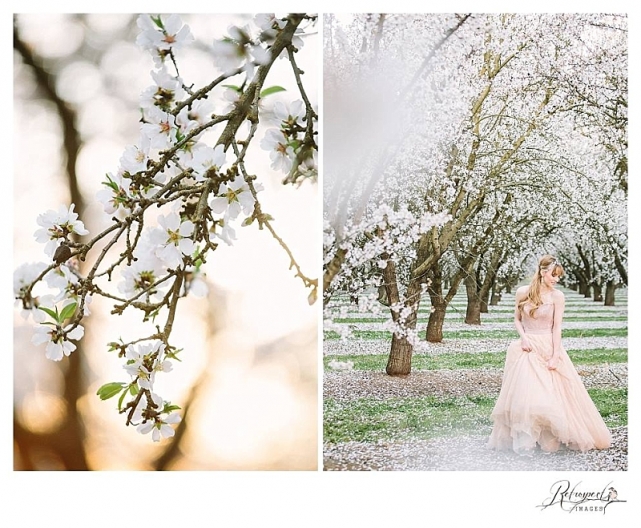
384, 231
384, 235
143, 362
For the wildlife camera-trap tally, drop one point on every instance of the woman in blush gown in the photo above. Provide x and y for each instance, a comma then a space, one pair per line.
543, 400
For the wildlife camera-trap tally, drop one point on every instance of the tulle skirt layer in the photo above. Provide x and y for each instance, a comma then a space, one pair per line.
550, 408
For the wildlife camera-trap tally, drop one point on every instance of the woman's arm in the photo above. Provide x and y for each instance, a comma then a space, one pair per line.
559, 308
525, 344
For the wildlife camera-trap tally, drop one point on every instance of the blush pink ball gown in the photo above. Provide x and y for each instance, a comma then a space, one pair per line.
540, 406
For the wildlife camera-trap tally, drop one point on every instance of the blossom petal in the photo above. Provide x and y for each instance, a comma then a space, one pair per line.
145, 427
54, 351
186, 228
186, 245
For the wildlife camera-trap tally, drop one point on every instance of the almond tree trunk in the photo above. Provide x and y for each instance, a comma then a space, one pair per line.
485, 302
597, 292
434, 332
473, 311
495, 298
399, 362
610, 288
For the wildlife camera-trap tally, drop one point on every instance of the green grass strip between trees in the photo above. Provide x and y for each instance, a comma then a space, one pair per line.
398, 419
487, 334
598, 319
460, 360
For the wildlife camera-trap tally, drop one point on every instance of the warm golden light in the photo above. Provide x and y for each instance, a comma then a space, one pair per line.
41, 412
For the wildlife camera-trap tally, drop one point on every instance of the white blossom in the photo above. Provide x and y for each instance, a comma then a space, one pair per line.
144, 360
140, 276
171, 34
160, 428
135, 158
208, 159
57, 339
269, 24
172, 239
222, 230
231, 96
115, 197
197, 285
233, 197
160, 128
25, 274
280, 152
57, 226
167, 91
239, 50
290, 114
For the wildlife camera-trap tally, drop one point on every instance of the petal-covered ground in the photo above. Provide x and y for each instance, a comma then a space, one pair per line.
437, 418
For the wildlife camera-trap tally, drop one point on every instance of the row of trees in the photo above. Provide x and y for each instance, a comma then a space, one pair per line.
458, 166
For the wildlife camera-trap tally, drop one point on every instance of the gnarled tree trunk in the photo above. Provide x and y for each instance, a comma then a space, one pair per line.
434, 331
399, 362
495, 298
473, 311
610, 288
598, 292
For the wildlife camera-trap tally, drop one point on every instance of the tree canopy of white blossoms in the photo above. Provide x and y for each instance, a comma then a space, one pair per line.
202, 190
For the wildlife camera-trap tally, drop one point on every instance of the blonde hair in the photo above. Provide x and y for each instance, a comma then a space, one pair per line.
533, 297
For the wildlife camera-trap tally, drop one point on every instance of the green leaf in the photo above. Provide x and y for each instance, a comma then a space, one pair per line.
272, 90
154, 314
248, 221
173, 354
111, 184
133, 389
158, 21
233, 87
68, 311
109, 390
169, 408
50, 312
122, 398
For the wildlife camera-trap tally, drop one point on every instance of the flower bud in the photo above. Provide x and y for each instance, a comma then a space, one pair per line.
62, 254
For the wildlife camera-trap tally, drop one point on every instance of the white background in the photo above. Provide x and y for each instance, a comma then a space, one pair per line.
352, 499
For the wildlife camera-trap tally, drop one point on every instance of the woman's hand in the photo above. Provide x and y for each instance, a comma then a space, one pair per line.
525, 345
553, 362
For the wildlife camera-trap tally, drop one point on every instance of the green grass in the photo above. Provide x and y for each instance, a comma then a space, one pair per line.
370, 420
461, 319
451, 361
486, 334
612, 404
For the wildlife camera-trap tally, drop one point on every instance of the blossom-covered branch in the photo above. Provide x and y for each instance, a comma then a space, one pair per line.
178, 192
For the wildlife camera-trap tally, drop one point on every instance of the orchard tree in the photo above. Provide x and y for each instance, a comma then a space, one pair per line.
372, 84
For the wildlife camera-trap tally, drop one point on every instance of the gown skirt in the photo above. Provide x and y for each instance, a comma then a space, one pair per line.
550, 408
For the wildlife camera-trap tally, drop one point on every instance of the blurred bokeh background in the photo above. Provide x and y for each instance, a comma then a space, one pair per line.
247, 382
